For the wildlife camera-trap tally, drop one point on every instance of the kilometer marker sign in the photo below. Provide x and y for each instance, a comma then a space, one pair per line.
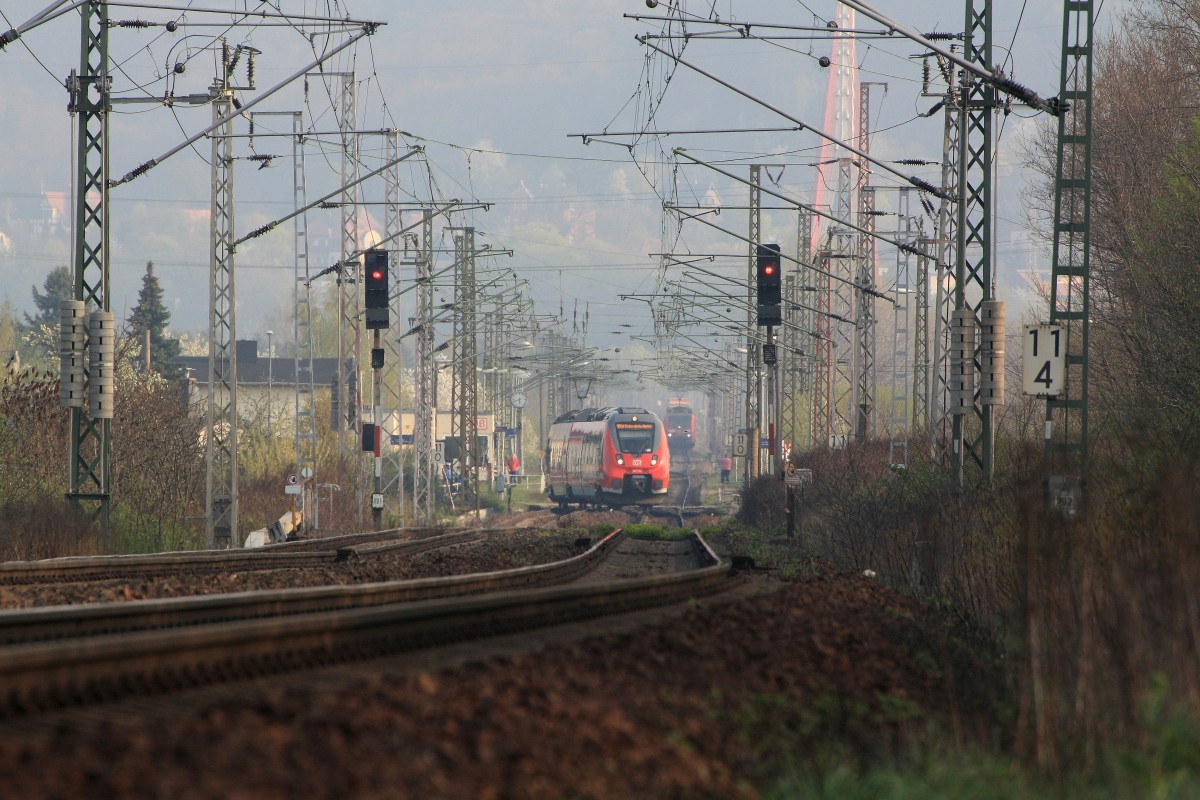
1044, 350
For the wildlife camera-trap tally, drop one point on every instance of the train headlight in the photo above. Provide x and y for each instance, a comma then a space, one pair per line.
654, 460
620, 460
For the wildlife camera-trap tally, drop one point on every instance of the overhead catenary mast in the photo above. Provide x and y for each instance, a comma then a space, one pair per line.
221, 514
90, 477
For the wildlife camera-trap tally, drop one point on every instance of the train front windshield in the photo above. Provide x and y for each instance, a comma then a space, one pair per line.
635, 437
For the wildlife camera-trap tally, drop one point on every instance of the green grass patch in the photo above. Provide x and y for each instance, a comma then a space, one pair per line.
1166, 766
653, 532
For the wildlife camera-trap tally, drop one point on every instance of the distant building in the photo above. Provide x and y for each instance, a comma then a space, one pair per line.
260, 381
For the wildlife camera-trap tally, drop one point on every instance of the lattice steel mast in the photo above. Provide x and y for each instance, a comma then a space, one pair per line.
946, 256
425, 402
753, 385
393, 488
221, 517
865, 333
901, 299
349, 301
306, 420
1070, 303
797, 336
822, 404
89, 98
842, 263
464, 357
973, 427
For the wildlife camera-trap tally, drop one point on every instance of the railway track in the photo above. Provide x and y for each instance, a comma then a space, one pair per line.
110, 651
81, 621
300, 553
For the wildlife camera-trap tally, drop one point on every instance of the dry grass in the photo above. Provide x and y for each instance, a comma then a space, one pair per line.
1095, 615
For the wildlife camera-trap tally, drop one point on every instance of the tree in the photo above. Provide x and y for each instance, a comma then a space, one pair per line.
59, 286
150, 315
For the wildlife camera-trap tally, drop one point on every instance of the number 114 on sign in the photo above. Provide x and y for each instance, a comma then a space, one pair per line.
1044, 351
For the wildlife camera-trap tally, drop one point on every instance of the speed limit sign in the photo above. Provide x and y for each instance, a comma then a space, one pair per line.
741, 444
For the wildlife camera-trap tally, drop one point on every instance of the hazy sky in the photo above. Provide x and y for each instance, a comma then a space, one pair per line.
492, 90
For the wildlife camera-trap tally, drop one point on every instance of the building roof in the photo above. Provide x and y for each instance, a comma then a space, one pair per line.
279, 371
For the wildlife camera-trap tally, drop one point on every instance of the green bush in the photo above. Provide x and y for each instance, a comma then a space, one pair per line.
654, 532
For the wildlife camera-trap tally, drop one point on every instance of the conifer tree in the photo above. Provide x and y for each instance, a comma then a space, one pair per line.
59, 286
151, 315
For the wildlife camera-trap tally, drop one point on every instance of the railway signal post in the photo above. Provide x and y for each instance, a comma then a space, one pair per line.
377, 318
770, 314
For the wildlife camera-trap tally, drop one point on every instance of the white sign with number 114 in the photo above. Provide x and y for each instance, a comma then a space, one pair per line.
1045, 360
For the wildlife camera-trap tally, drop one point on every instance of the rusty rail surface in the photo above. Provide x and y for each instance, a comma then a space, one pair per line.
96, 619
301, 553
61, 673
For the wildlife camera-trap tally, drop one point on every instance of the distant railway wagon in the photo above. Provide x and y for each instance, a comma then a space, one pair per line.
608, 456
681, 426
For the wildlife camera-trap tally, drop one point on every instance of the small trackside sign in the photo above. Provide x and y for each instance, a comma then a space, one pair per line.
1044, 356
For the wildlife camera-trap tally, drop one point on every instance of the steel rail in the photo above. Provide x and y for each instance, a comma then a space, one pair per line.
99, 619
285, 555
46, 675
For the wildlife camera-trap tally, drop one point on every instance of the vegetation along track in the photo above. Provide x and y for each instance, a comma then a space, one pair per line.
65, 672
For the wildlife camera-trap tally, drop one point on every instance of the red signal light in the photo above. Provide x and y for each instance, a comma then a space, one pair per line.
768, 269
377, 275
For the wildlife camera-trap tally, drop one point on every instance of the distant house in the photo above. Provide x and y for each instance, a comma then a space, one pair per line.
260, 381
265, 381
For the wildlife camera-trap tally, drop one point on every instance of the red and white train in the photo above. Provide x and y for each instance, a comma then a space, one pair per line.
681, 426
608, 456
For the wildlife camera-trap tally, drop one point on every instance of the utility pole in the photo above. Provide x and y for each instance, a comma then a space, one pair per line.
797, 335
844, 301
973, 424
464, 397
946, 255
865, 320
845, 99
901, 304
306, 420
425, 373
1065, 459
822, 405
391, 398
221, 517
753, 368
90, 431
349, 302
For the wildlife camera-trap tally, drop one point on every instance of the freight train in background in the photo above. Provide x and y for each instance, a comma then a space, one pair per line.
608, 456
681, 428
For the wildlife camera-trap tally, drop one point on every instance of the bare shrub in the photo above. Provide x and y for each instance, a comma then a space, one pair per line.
47, 528
33, 439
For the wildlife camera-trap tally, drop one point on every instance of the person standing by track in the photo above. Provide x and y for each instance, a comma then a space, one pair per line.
726, 468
